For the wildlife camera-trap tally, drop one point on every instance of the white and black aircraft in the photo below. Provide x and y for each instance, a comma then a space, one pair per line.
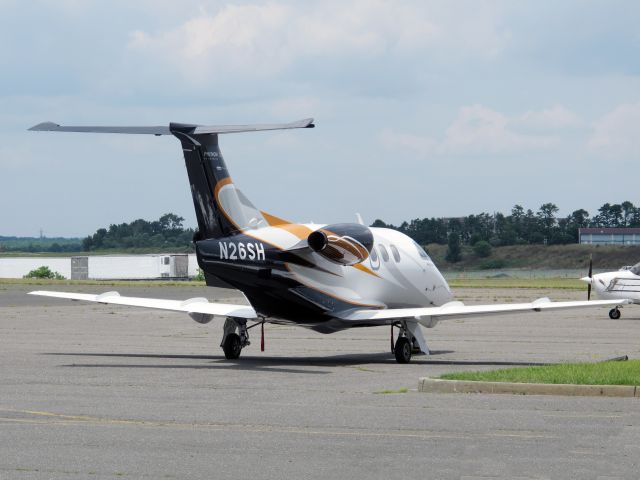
323, 277
619, 284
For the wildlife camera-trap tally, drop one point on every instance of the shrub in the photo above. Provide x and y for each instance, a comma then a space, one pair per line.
493, 264
199, 276
44, 272
482, 248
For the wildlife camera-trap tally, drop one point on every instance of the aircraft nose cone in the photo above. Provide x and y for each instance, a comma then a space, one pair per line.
587, 279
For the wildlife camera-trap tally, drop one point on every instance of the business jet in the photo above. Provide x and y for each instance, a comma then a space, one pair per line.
323, 277
620, 284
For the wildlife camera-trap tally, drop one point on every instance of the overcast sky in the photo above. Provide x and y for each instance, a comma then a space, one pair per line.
425, 108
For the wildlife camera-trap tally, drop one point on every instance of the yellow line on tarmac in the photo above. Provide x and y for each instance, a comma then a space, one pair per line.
59, 419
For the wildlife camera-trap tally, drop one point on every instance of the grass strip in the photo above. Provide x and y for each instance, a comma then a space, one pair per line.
552, 283
540, 283
602, 373
388, 391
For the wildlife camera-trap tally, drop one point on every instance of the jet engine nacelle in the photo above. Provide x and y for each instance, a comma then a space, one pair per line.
342, 243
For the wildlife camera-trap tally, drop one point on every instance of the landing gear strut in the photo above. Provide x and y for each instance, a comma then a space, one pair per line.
232, 342
614, 314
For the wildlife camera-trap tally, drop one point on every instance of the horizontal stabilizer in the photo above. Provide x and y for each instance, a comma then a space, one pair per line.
168, 130
54, 127
191, 306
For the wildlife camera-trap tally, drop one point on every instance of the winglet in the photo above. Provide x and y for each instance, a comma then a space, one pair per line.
45, 127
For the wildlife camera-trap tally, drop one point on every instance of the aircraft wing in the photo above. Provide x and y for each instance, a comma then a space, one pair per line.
427, 315
192, 306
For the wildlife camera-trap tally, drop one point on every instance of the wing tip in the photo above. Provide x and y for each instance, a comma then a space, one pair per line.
44, 127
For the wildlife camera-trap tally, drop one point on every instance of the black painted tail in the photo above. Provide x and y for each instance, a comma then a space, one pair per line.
206, 170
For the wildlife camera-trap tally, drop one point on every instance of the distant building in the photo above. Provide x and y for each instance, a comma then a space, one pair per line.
609, 236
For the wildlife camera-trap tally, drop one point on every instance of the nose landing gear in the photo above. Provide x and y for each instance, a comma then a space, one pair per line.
409, 341
402, 350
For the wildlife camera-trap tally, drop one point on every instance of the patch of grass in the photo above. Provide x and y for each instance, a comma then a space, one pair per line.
602, 373
385, 392
509, 282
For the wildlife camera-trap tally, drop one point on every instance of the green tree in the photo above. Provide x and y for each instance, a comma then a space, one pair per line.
578, 219
165, 233
454, 251
628, 212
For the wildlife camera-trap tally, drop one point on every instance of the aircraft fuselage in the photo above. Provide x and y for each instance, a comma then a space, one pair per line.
303, 287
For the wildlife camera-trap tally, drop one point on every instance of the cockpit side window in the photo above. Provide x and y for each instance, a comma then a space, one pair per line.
395, 252
421, 251
374, 259
384, 253
636, 269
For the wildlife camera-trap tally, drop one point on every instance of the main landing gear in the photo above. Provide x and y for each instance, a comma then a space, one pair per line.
409, 341
614, 313
235, 337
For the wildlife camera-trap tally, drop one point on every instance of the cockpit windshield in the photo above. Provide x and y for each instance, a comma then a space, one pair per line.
421, 251
636, 269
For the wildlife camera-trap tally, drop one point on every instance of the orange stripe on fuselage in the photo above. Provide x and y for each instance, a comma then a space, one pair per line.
364, 269
300, 231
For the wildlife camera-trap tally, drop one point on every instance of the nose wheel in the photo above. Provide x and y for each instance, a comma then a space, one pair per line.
614, 314
402, 350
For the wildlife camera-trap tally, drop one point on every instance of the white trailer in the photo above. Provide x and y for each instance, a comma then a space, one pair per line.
18, 267
106, 267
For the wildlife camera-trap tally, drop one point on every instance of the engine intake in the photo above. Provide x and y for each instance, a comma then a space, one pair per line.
342, 243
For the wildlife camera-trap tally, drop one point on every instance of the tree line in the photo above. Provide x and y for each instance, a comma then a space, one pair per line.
520, 227
35, 244
165, 233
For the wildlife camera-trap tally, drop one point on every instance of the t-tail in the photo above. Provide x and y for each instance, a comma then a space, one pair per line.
221, 209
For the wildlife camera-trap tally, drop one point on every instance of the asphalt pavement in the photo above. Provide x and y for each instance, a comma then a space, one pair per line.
96, 391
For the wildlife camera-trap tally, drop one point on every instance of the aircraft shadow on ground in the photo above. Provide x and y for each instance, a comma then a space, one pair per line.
278, 364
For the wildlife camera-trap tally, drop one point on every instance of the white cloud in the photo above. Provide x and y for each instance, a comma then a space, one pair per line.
477, 130
416, 144
554, 118
618, 133
265, 39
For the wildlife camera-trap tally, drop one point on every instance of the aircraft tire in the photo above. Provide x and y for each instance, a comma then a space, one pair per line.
614, 314
232, 346
403, 350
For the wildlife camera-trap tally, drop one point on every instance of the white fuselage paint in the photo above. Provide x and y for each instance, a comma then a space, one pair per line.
411, 280
392, 281
622, 284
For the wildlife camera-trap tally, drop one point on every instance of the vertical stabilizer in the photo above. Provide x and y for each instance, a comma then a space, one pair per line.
207, 174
